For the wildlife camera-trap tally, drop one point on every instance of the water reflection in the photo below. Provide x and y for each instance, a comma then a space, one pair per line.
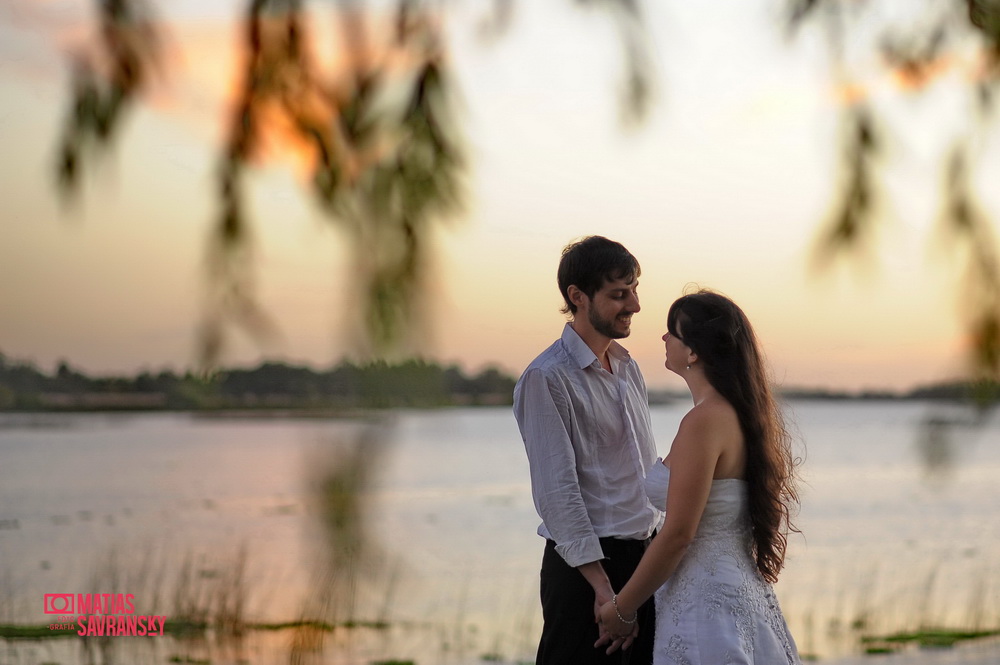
947, 430
414, 539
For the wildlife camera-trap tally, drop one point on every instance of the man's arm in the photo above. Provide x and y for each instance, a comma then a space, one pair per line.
597, 577
545, 417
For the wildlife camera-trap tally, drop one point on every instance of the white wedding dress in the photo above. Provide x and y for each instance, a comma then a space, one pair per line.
716, 609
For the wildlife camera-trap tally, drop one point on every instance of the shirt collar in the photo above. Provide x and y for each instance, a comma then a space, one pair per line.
582, 354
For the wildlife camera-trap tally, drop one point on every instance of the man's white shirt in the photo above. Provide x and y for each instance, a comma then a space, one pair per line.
589, 442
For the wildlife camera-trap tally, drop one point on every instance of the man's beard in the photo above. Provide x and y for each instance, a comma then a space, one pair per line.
606, 326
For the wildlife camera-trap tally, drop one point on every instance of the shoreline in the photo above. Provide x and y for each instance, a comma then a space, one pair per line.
981, 651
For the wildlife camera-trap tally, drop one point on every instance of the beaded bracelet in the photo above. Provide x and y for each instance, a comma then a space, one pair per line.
614, 601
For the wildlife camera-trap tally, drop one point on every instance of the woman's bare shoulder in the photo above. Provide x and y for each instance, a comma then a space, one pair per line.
711, 414
711, 421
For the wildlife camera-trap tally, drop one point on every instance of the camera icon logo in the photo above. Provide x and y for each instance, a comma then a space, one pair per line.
59, 603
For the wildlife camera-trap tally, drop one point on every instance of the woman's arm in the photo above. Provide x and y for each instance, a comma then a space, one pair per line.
694, 454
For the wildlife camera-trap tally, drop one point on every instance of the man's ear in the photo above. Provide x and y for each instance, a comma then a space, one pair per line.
576, 296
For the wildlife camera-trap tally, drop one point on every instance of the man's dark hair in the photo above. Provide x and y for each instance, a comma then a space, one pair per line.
589, 263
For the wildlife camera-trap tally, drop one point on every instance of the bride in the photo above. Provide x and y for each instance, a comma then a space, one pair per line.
728, 487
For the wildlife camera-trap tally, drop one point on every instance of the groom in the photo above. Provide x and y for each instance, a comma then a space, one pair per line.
583, 413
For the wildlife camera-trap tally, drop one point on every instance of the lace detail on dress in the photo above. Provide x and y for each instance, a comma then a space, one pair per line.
676, 649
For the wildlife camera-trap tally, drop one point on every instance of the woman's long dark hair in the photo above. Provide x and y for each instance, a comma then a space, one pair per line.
718, 331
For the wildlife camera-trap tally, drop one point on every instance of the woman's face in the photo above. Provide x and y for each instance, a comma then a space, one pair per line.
676, 350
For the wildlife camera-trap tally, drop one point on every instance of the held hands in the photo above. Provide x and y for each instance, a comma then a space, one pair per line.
601, 598
615, 632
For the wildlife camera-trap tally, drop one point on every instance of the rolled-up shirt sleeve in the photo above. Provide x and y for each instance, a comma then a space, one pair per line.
544, 416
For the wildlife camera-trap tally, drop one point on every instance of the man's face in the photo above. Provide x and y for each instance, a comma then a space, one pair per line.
610, 310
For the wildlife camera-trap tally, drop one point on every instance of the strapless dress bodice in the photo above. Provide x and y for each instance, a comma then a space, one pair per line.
726, 510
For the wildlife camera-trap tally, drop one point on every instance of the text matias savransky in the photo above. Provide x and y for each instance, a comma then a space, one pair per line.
102, 614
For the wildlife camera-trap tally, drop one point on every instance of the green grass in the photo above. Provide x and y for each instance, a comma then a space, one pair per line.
14, 632
320, 625
940, 638
182, 627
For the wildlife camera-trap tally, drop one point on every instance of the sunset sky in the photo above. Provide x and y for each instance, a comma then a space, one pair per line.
723, 186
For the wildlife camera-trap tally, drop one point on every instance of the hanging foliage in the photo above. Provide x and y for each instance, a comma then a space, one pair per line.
379, 130
933, 39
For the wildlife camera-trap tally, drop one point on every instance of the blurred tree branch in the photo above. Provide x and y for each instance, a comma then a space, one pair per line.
915, 53
964, 221
849, 227
106, 81
383, 144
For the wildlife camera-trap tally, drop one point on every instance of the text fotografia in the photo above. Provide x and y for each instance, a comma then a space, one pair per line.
101, 614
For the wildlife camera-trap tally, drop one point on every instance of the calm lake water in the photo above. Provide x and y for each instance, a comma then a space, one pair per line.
164, 506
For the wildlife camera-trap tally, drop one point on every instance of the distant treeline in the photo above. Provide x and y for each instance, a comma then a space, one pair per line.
982, 393
276, 385
272, 385
958, 391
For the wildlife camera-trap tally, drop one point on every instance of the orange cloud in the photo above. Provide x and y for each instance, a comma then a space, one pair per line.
913, 75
